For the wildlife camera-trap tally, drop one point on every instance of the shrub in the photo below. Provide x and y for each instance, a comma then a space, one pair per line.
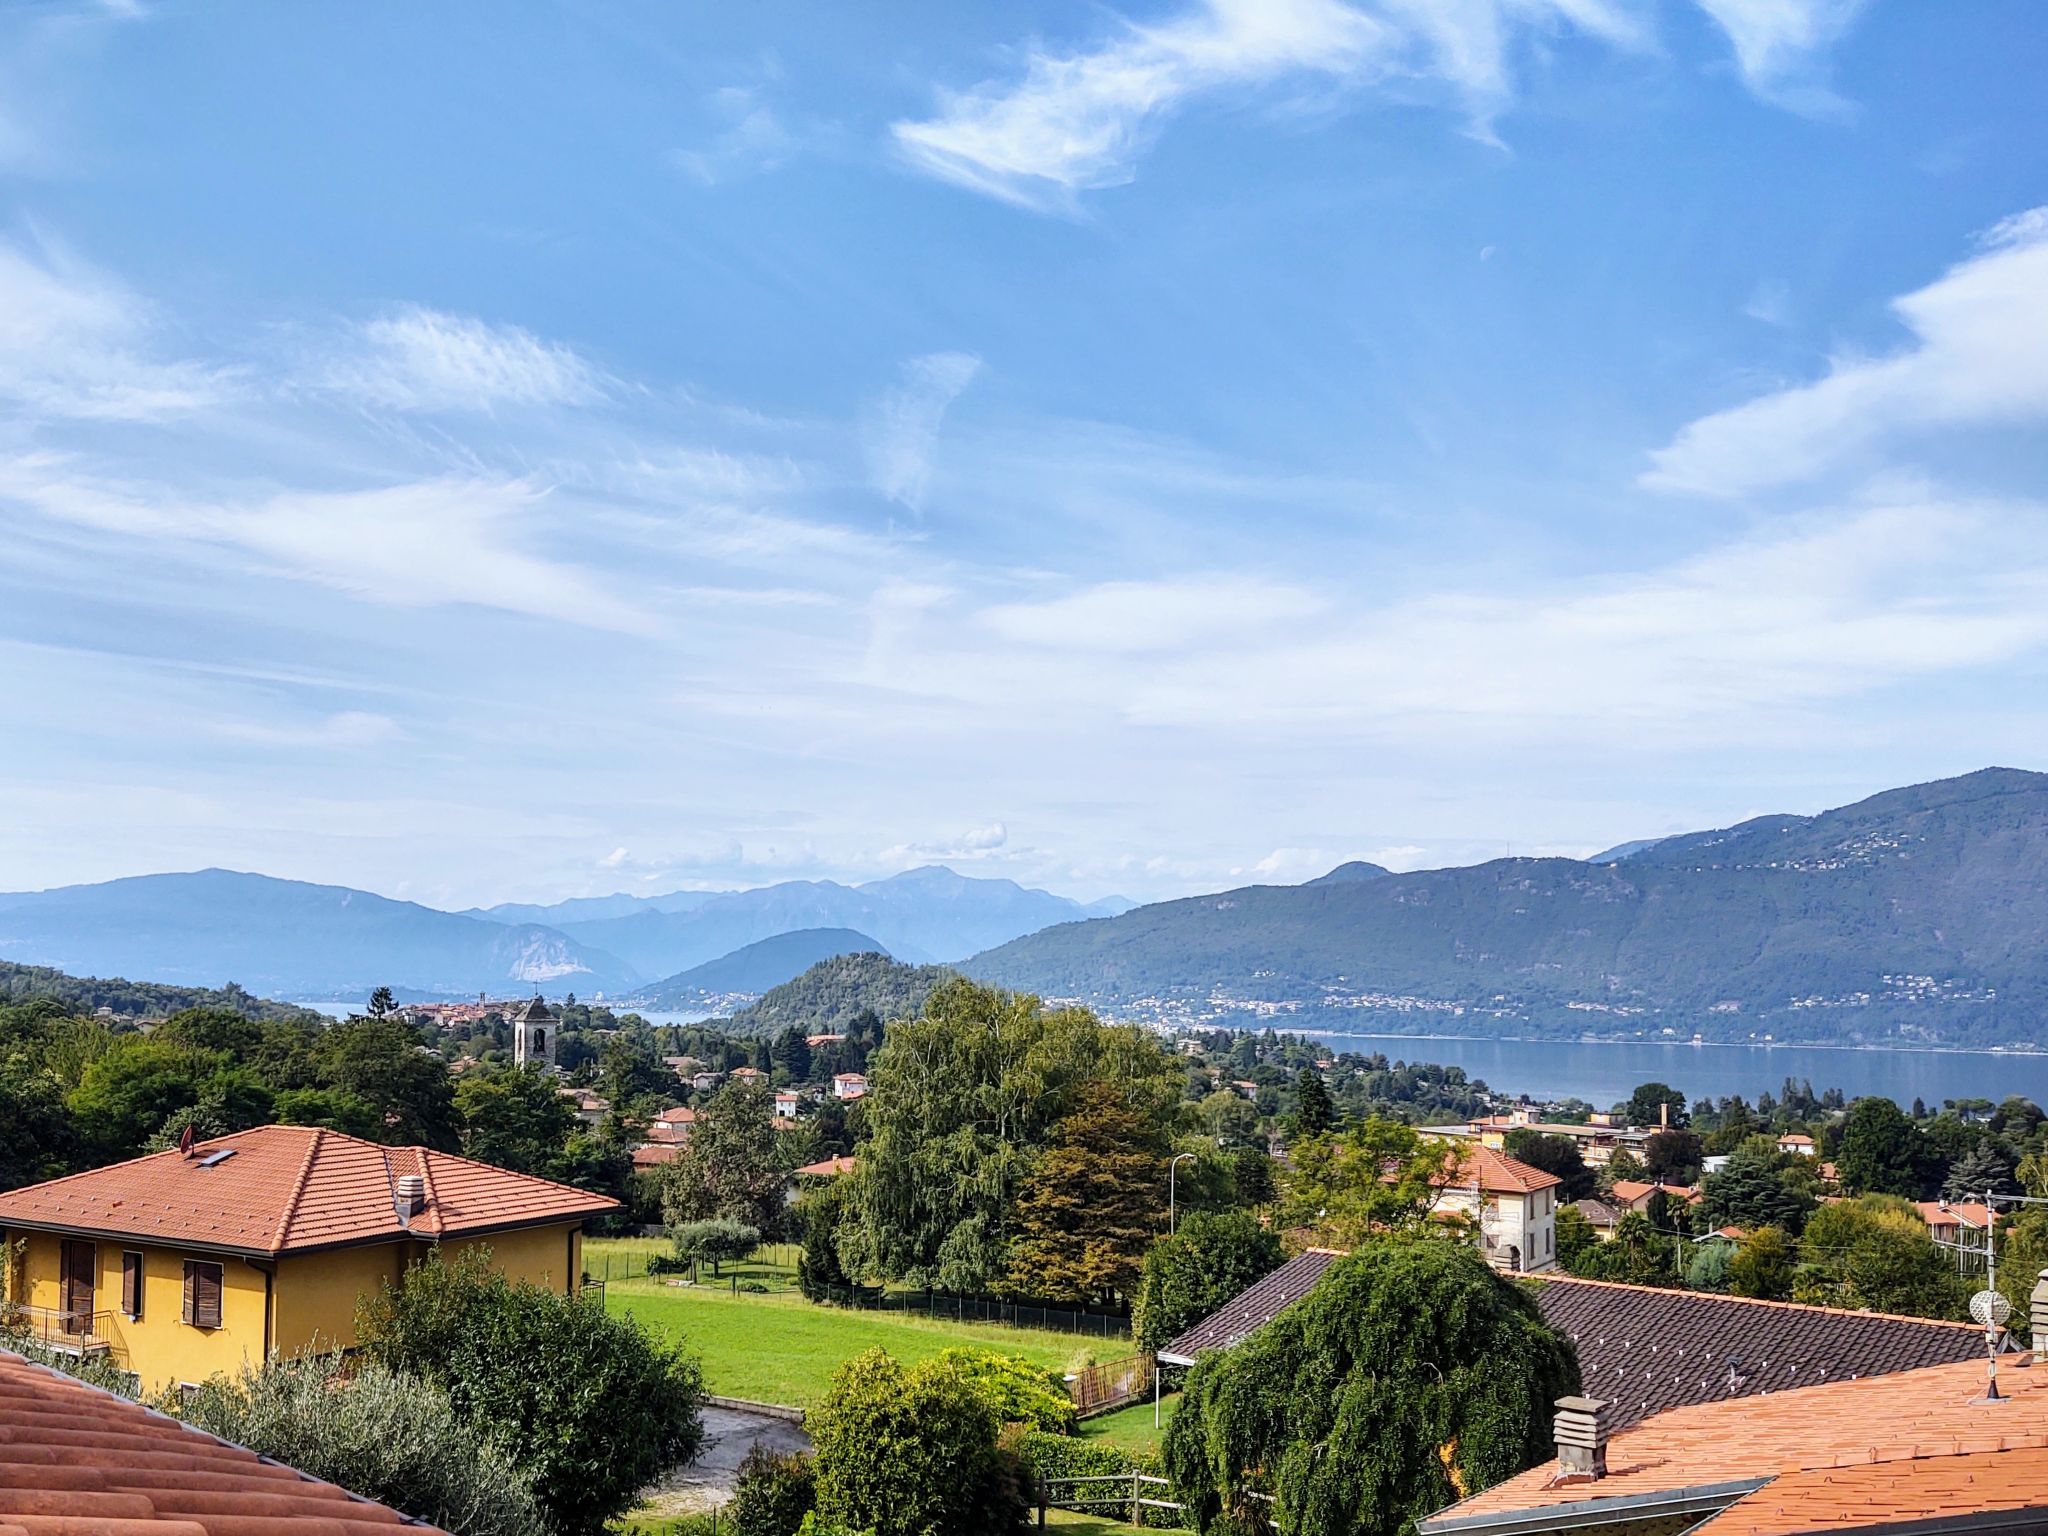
774, 1494
1051, 1456
385, 1435
667, 1264
912, 1453
592, 1406
1020, 1392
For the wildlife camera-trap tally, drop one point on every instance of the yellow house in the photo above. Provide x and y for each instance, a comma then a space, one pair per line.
187, 1263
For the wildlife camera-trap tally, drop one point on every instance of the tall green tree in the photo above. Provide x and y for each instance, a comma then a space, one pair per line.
1654, 1104
1882, 1151
1313, 1111
1754, 1190
1764, 1267
1552, 1154
512, 1117
1093, 1202
961, 1101
37, 1141
1410, 1375
1210, 1258
730, 1169
381, 1062
1375, 1176
793, 1053
1874, 1253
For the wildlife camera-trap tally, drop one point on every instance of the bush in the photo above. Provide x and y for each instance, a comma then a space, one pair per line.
384, 1435
592, 1406
667, 1264
774, 1494
1020, 1392
912, 1453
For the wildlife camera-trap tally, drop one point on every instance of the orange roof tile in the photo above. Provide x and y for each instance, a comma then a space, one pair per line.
830, 1168
290, 1188
1865, 1422
78, 1461
1955, 1213
1887, 1492
1497, 1173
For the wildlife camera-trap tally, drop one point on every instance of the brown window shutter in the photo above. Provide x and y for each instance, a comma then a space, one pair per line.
191, 1285
131, 1284
209, 1295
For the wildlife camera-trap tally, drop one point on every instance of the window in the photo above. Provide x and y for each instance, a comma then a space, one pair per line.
131, 1285
202, 1294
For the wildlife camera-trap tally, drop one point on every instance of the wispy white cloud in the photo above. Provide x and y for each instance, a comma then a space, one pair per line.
1080, 120
1780, 45
419, 359
1127, 617
982, 842
1979, 355
422, 544
752, 139
903, 431
342, 731
75, 343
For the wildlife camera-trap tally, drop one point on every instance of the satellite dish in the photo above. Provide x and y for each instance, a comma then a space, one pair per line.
1990, 1308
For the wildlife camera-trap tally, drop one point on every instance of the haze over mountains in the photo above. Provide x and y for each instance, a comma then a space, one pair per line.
289, 938
1914, 916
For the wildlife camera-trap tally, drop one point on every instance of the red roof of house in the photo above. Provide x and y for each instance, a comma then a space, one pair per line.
1497, 1173
1908, 1420
290, 1188
830, 1168
654, 1157
1956, 1213
78, 1461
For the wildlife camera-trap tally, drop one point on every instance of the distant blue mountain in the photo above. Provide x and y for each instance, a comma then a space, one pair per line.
1351, 874
758, 967
289, 938
920, 916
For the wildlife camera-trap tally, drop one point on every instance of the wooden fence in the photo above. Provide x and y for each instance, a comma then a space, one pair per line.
1110, 1384
1130, 1494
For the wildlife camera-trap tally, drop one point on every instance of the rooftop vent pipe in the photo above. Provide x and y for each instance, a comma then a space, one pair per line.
1581, 1428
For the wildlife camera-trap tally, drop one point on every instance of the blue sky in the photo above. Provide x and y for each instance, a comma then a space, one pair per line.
483, 452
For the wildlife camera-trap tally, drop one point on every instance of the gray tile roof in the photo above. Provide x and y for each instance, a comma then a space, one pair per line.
1251, 1309
1643, 1350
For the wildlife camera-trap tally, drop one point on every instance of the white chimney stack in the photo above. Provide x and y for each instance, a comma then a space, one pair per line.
412, 1195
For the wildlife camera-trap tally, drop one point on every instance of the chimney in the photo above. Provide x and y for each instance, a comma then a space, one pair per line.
412, 1195
1664, 1115
2037, 1315
1581, 1438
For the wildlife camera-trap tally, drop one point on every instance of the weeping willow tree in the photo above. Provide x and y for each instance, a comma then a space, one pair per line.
1411, 1376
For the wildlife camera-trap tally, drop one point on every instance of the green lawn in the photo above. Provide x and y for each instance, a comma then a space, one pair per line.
779, 1348
1130, 1429
614, 1259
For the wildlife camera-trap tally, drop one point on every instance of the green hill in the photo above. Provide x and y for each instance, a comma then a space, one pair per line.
134, 999
835, 992
1914, 917
758, 967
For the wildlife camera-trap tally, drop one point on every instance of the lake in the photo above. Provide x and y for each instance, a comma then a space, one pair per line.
1602, 1074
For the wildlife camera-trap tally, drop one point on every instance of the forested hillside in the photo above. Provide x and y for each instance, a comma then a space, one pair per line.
833, 993
1914, 916
135, 999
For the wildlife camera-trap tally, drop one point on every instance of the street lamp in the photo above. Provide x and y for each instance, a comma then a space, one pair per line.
1172, 1170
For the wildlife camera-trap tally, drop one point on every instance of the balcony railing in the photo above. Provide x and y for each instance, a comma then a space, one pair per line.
72, 1330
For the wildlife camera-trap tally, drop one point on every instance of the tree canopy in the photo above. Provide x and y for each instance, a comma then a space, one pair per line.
1410, 1376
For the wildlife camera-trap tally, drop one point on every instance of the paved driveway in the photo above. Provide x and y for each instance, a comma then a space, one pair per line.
729, 1433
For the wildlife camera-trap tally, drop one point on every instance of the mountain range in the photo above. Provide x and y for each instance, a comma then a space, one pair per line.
755, 968
288, 938
1915, 916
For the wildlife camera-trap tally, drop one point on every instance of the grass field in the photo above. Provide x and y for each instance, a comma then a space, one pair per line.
779, 1348
1130, 1429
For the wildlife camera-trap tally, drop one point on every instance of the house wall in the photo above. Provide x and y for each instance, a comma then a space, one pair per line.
313, 1296
160, 1346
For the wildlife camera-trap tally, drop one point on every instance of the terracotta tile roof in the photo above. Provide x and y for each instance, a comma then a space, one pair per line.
289, 1188
1598, 1212
1887, 1492
1253, 1308
1955, 1213
1875, 1420
1629, 1191
77, 1461
830, 1168
654, 1157
1643, 1350
1498, 1173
